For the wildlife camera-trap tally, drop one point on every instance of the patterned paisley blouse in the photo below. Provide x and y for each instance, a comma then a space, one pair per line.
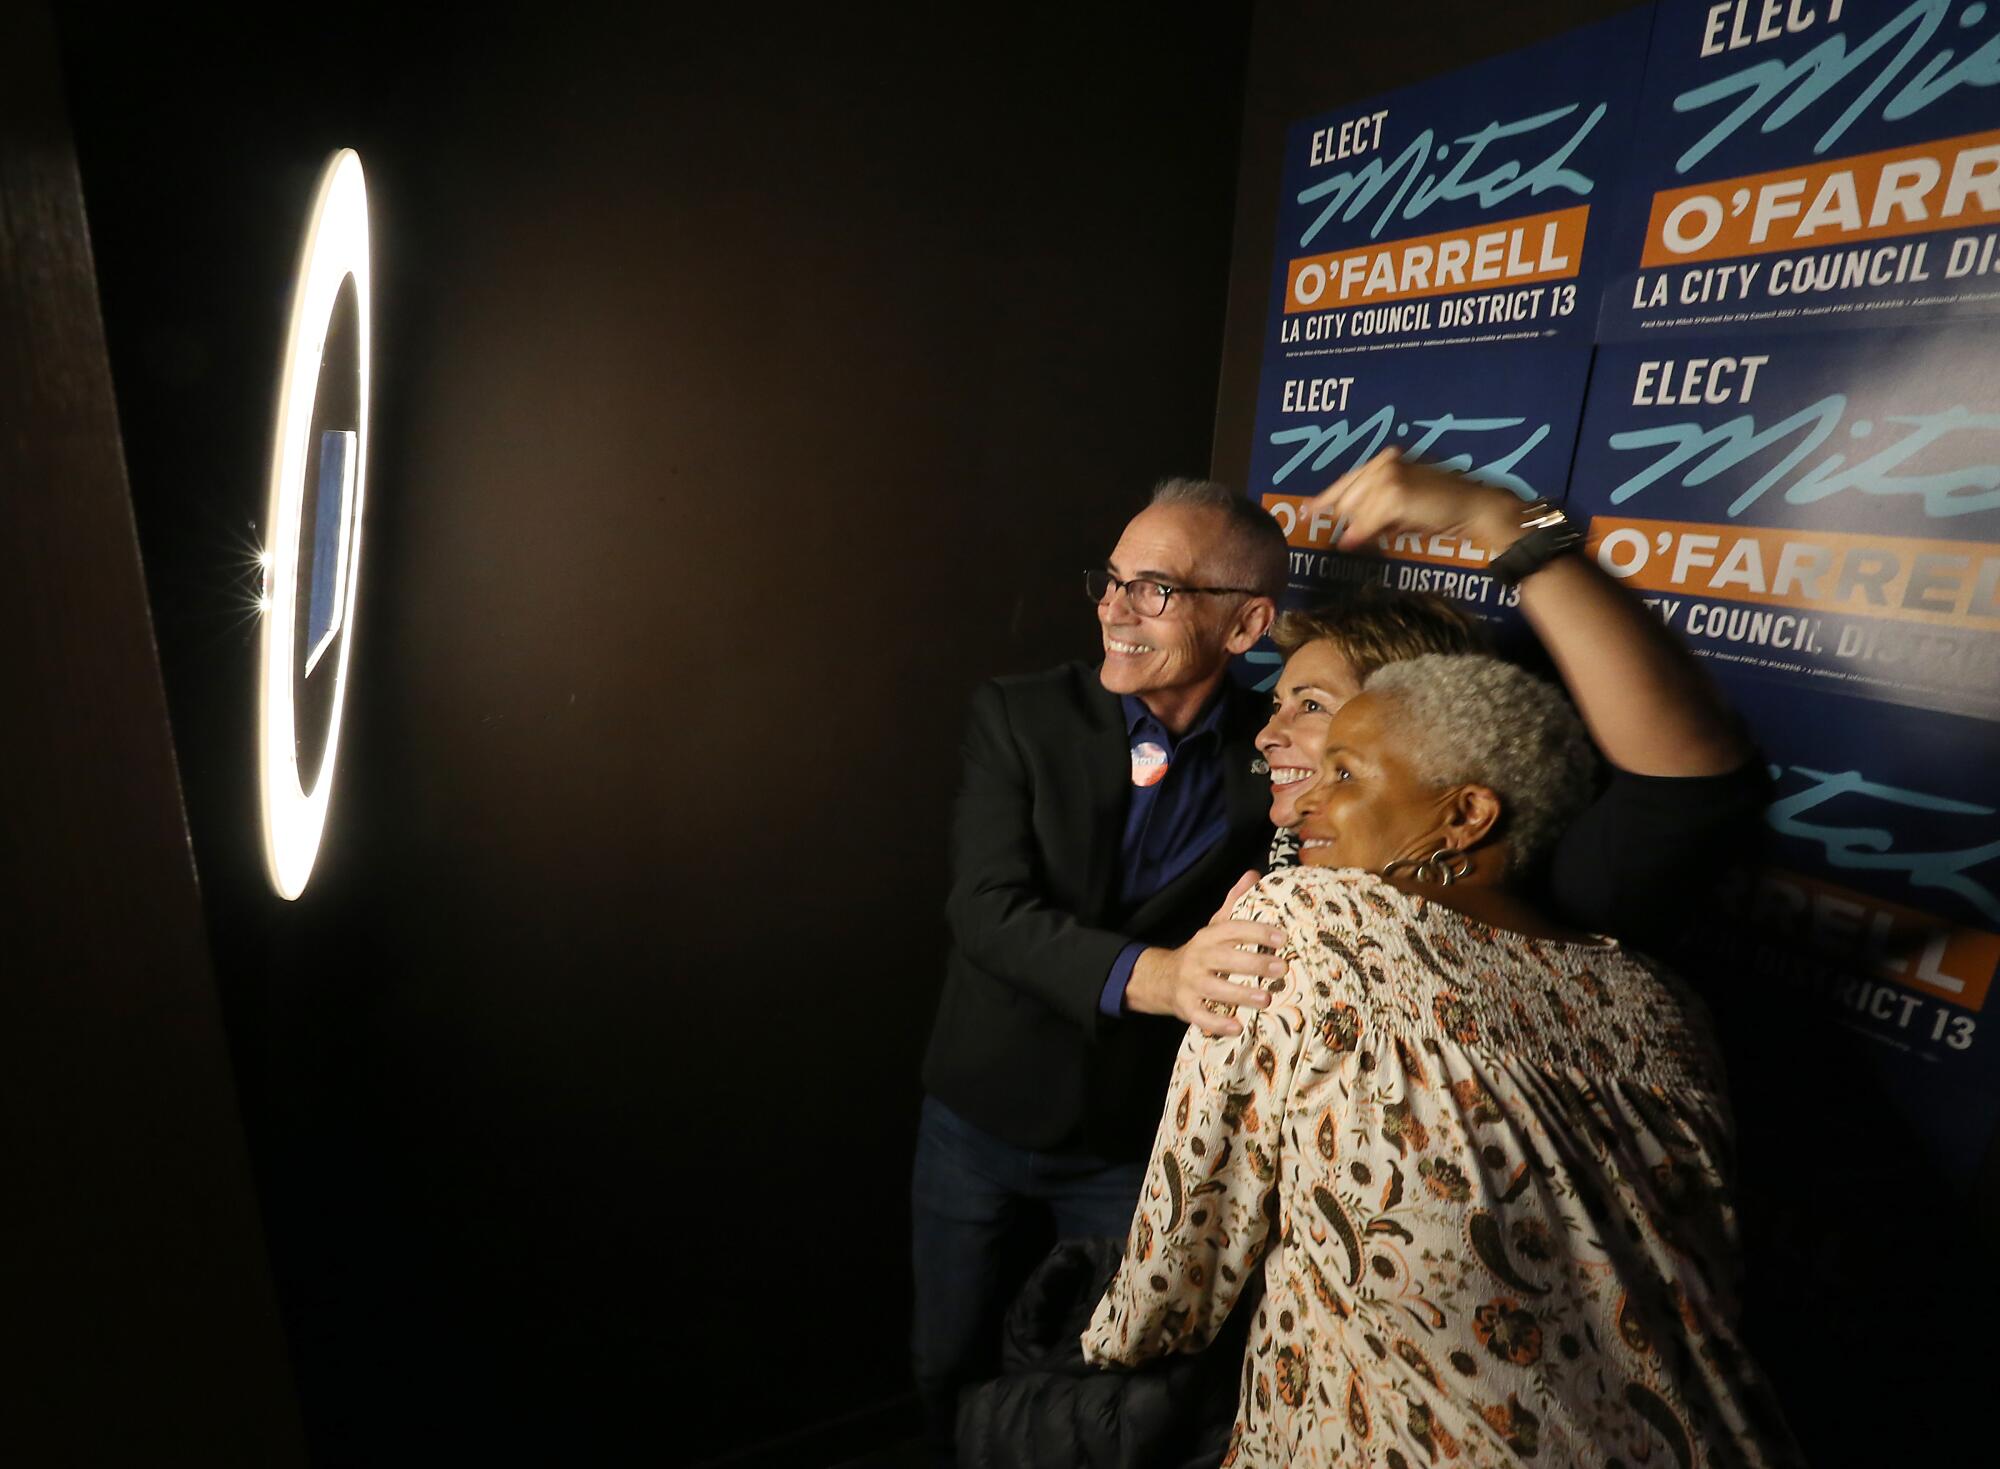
1483, 1175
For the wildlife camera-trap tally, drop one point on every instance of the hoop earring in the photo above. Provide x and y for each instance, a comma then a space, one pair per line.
1436, 869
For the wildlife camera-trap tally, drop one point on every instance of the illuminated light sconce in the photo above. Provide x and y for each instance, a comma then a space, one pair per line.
312, 561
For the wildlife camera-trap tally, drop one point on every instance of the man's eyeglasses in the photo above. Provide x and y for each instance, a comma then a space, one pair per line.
1150, 598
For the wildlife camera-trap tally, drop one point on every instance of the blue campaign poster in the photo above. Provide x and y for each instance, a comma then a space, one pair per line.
1438, 258
1803, 164
1463, 210
1823, 512
1508, 428
1877, 899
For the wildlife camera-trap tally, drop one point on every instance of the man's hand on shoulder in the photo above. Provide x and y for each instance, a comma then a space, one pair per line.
1194, 981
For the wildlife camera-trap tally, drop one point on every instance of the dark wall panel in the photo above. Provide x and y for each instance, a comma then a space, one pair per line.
748, 384
139, 1324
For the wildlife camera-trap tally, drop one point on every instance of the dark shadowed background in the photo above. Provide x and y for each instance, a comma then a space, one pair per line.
748, 383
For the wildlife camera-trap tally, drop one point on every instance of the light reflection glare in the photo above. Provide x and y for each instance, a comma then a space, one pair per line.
336, 246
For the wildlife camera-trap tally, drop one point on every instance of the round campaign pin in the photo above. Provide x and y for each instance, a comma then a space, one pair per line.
1149, 763
312, 558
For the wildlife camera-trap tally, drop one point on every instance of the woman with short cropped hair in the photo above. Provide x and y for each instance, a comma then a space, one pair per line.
1684, 788
1479, 1157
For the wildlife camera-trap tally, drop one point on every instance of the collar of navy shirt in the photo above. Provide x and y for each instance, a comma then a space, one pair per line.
1105, 756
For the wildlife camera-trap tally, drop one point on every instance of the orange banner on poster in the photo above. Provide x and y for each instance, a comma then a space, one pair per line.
1919, 951
1302, 528
1949, 183
1944, 583
1314, 532
1508, 252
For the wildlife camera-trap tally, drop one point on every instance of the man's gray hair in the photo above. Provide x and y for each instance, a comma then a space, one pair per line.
1470, 719
1253, 552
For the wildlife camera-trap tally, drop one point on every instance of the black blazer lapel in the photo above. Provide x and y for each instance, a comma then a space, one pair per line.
1104, 769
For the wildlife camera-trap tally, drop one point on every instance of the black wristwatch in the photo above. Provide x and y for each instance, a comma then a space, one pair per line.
1549, 534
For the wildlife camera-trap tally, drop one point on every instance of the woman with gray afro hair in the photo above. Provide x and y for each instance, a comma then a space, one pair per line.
1472, 720
1455, 1113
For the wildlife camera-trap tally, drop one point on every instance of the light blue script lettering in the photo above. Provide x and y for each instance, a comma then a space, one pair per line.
1350, 192
1871, 848
1706, 453
1319, 446
1829, 64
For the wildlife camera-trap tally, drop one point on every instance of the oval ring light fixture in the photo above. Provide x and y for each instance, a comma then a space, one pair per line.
312, 557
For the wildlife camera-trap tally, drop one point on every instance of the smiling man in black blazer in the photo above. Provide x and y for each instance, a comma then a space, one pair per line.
1104, 820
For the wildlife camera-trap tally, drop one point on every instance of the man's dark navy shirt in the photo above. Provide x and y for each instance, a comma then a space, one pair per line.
1171, 822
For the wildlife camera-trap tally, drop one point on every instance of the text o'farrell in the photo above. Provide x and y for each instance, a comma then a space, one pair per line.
1623, 553
312, 525
1685, 240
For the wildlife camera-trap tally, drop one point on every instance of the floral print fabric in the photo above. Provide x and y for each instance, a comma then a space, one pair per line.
1483, 1174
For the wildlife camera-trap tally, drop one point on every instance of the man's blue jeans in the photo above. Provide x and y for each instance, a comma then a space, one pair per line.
980, 1211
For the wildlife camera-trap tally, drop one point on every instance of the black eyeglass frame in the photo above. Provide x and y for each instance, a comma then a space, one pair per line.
1168, 591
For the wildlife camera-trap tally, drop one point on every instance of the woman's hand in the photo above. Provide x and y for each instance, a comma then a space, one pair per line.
1390, 494
1648, 707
